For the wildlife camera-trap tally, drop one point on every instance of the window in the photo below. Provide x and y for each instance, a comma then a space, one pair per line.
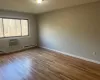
13, 27
1, 28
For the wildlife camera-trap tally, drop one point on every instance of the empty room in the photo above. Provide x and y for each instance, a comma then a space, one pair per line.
49, 39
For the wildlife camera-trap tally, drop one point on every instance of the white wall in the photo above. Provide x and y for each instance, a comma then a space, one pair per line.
24, 41
73, 30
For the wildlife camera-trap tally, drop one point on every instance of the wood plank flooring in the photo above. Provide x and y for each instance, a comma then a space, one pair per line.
41, 64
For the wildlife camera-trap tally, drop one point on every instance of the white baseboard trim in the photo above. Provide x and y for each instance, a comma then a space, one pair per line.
86, 59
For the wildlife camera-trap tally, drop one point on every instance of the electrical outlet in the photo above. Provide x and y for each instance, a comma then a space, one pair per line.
94, 53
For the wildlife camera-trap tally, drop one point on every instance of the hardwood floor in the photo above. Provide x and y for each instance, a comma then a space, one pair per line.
41, 64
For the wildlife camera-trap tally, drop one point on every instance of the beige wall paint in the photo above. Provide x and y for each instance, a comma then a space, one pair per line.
23, 41
73, 30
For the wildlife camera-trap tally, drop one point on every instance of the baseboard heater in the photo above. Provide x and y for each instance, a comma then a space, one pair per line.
2, 52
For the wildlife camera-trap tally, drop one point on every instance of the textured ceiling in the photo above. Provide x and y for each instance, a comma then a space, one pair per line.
31, 6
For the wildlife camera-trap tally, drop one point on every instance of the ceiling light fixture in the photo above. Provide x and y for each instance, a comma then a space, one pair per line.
39, 1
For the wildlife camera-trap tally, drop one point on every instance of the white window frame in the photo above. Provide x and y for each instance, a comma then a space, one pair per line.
20, 24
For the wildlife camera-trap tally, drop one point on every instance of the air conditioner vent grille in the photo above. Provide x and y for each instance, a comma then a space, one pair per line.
13, 42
